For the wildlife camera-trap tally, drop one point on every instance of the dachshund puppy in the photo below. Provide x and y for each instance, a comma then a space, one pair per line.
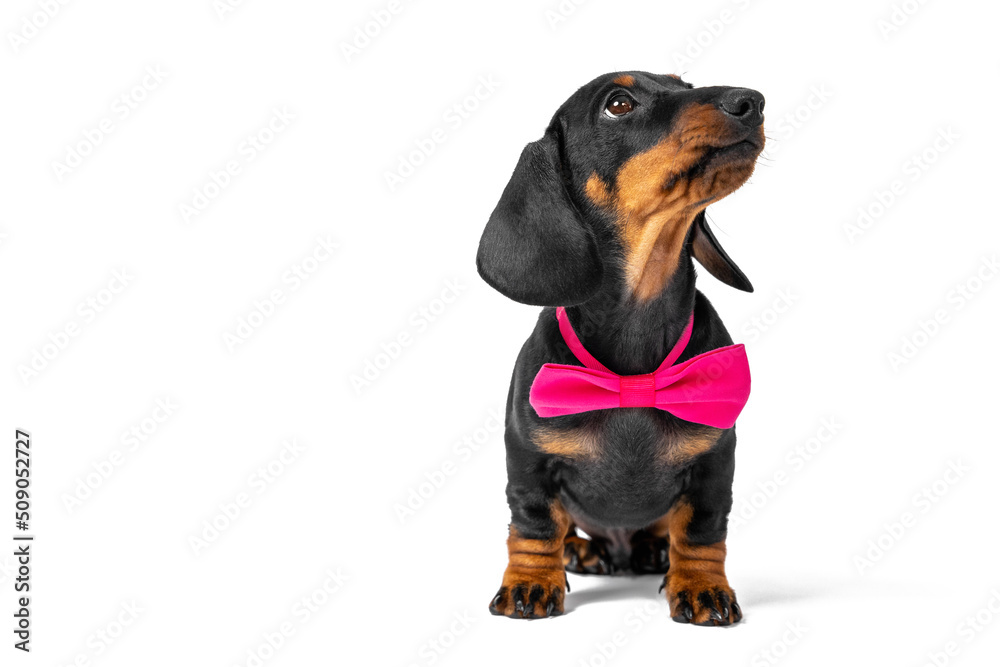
620, 411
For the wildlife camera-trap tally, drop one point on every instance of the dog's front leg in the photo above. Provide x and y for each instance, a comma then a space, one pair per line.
534, 584
697, 588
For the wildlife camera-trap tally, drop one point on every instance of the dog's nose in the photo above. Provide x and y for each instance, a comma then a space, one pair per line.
743, 104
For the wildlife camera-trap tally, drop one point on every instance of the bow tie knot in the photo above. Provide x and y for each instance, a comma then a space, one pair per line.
638, 391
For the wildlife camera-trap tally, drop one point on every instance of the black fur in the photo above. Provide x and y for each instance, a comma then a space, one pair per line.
534, 248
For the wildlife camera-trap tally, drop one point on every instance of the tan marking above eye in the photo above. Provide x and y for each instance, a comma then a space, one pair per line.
626, 80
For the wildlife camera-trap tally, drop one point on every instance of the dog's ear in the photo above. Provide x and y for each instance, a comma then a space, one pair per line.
536, 249
706, 249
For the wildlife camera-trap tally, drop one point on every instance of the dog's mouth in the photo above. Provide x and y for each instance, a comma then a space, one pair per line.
739, 155
741, 151
735, 154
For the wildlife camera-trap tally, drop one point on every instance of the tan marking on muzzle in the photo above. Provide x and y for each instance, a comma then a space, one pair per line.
656, 203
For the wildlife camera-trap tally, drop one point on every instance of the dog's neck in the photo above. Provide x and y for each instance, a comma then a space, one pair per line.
632, 337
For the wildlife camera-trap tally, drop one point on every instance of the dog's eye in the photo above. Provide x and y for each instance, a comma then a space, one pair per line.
619, 105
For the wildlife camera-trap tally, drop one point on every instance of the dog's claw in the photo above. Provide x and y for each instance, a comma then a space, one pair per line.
723, 600
587, 557
603, 564
714, 606
495, 603
684, 611
528, 599
518, 596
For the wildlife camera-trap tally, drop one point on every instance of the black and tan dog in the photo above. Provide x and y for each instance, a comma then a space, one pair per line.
603, 216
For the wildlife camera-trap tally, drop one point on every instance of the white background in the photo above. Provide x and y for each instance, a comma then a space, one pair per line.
849, 106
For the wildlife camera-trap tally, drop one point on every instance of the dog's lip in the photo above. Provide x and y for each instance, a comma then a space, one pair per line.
742, 151
748, 145
739, 152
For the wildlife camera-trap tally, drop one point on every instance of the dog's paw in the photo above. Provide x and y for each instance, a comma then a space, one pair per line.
583, 556
702, 601
530, 595
649, 554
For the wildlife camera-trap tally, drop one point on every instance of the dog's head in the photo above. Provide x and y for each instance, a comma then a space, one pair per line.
619, 183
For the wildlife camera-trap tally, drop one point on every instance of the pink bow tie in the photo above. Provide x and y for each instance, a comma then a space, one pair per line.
710, 389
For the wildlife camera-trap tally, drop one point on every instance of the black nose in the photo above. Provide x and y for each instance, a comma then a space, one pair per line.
743, 104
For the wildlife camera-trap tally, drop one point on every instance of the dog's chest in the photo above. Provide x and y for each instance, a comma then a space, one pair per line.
623, 467
628, 438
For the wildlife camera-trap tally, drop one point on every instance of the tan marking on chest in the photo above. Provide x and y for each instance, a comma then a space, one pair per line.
575, 443
683, 447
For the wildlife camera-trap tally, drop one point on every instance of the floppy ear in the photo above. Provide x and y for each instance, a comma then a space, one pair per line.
535, 248
706, 249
